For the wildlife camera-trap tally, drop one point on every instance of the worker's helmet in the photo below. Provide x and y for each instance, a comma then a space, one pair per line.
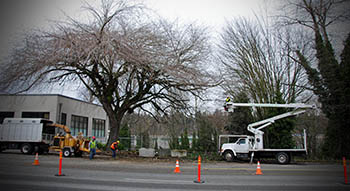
118, 141
93, 137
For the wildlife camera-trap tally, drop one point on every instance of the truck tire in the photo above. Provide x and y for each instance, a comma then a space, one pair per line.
66, 152
282, 158
27, 148
228, 155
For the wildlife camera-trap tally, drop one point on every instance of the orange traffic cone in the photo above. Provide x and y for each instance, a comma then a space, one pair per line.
177, 167
258, 169
36, 160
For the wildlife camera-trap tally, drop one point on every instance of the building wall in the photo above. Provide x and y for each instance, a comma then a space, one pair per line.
80, 108
55, 105
26, 103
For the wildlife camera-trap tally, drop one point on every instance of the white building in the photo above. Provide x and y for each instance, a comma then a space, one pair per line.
79, 116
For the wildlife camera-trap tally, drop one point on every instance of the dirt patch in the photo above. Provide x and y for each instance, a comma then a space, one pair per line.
132, 156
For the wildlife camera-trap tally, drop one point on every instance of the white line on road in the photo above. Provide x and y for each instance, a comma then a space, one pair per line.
158, 181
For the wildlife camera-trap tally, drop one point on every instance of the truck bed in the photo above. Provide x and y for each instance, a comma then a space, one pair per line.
21, 133
277, 150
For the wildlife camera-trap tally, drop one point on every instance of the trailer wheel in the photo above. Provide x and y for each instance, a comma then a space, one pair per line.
26, 148
282, 158
228, 155
66, 152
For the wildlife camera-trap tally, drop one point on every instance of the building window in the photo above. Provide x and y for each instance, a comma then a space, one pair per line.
45, 115
63, 119
5, 114
79, 124
98, 127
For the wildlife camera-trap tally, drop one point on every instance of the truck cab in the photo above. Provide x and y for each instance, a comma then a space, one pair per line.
239, 149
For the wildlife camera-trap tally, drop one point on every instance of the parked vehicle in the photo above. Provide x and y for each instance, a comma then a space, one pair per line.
248, 146
30, 135
68, 144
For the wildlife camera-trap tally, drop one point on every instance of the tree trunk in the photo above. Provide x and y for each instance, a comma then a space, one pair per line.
114, 124
115, 121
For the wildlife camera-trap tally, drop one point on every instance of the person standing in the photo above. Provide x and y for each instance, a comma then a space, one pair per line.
114, 147
92, 147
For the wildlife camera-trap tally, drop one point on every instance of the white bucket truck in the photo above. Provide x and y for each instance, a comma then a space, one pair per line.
249, 146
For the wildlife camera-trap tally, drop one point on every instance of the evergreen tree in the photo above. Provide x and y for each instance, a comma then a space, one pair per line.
185, 142
331, 83
205, 135
241, 117
330, 80
174, 143
156, 144
194, 146
125, 141
279, 134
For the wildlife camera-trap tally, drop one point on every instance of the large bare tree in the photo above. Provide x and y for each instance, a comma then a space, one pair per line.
256, 59
126, 59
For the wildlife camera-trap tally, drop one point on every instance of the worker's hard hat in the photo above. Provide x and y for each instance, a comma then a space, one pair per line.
118, 141
93, 137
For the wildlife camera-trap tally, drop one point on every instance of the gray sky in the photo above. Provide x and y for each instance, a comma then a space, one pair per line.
19, 15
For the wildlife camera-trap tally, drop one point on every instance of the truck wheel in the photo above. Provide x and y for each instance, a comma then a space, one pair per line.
26, 148
66, 152
228, 155
282, 158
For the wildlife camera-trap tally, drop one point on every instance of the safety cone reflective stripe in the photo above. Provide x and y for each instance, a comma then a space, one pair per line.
177, 167
258, 169
36, 160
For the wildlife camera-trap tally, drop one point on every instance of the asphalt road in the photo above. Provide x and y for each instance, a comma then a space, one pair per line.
102, 173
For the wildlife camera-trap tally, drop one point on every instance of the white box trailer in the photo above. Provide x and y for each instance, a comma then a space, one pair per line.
30, 135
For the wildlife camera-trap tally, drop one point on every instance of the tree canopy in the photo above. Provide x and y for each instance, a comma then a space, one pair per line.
125, 56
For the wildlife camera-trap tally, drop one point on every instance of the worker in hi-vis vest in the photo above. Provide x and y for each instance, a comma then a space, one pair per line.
92, 147
114, 148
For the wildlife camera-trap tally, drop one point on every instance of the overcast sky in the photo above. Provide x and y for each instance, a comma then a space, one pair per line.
18, 15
